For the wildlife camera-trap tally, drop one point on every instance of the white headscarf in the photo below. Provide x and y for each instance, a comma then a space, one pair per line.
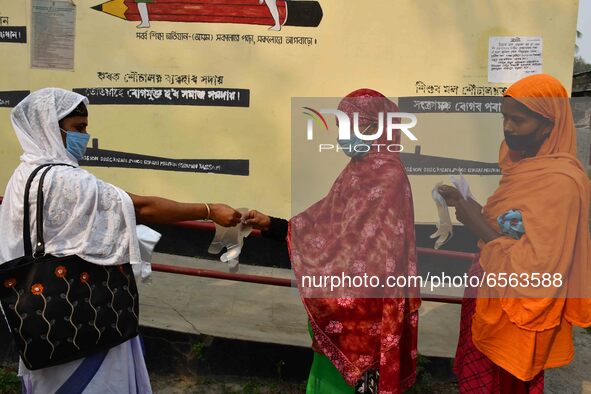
82, 214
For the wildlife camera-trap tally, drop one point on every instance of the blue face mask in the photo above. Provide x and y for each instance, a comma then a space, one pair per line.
76, 143
355, 147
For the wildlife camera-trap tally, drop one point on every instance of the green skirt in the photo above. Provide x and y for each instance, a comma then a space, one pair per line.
324, 377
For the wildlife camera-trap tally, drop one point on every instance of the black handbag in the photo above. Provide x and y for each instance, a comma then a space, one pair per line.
61, 309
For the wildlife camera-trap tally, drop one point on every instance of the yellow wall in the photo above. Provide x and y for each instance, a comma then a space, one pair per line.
382, 44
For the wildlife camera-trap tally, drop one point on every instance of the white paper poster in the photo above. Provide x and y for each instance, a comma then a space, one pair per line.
52, 30
512, 58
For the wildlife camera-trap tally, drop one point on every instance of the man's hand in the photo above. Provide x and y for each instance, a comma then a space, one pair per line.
224, 215
257, 220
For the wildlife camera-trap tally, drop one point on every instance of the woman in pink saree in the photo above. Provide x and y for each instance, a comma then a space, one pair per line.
364, 225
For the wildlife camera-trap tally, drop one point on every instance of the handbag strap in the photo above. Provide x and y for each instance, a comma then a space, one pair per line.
40, 246
78, 381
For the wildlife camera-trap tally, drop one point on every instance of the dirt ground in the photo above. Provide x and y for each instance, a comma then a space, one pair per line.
256, 371
221, 385
571, 379
235, 385
574, 378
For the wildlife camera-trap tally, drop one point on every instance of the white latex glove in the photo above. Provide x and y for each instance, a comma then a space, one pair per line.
231, 238
444, 228
462, 185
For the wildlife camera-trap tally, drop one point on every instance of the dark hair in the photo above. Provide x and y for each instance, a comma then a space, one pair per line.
80, 110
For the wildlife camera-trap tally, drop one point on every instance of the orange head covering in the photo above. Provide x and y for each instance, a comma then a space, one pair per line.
527, 329
546, 96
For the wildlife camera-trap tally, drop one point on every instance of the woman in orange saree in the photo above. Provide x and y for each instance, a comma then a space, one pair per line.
535, 225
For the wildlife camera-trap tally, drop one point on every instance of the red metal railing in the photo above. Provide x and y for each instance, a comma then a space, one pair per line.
263, 280
267, 280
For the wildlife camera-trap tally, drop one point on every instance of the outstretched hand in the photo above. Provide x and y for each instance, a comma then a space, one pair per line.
257, 220
224, 215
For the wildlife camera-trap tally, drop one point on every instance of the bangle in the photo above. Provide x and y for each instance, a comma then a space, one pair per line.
208, 210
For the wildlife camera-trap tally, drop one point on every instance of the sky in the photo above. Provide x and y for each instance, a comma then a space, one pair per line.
584, 26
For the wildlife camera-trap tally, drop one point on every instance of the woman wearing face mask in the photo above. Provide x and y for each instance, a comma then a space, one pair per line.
535, 224
87, 217
363, 342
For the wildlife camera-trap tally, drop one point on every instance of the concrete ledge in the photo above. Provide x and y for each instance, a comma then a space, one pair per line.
259, 313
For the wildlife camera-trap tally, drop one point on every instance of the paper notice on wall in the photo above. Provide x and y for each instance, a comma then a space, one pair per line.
512, 58
52, 30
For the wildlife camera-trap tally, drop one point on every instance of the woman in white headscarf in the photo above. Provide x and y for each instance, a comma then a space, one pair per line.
86, 217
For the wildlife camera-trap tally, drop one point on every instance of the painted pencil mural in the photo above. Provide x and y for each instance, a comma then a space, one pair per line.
274, 13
